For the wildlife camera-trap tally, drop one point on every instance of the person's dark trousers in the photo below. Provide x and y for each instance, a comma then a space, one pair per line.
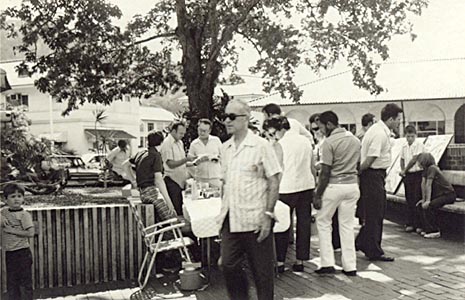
336, 238
19, 274
236, 246
301, 202
175, 192
374, 199
360, 212
429, 215
412, 184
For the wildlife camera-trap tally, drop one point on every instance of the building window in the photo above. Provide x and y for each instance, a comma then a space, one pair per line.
350, 127
141, 127
18, 100
142, 142
127, 98
150, 126
426, 128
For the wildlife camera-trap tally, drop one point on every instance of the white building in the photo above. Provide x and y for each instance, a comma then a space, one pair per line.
153, 118
76, 132
432, 94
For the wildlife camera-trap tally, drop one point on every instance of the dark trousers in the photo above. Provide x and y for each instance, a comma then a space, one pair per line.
299, 201
237, 246
19, 274
429, 215
374, 201
412, 184
175, 192
336, 238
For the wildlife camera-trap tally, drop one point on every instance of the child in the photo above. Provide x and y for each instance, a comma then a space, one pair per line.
436, 192
17, 228
411, 172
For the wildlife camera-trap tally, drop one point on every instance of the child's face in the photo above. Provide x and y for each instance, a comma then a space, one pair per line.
410, 137
15, 200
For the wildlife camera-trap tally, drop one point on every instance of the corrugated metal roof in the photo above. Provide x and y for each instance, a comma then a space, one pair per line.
412, 80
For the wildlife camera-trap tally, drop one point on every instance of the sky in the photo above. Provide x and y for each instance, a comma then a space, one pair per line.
440, 30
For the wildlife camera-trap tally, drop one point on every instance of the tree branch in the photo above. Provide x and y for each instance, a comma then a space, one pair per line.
228, 31
162, 35
250, 40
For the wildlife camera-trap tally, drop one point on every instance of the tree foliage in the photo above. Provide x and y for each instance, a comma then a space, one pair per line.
20, 149
93, 60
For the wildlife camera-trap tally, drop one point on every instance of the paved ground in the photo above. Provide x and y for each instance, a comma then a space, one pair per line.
424, 269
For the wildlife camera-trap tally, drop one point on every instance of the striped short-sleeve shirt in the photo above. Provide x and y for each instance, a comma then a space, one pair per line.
245, 172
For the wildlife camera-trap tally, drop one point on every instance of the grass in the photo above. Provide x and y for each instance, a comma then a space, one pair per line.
77, 197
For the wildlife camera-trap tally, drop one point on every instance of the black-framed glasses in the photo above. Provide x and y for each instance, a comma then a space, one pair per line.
231, 117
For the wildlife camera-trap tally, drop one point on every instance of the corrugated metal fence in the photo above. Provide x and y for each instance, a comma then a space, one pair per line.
86, 244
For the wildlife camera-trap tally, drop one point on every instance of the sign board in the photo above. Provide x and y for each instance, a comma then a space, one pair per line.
436, 145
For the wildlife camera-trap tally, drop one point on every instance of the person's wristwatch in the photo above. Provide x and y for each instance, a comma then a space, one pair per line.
271, 215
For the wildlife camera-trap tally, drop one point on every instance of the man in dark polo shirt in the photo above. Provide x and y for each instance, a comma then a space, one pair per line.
149, 177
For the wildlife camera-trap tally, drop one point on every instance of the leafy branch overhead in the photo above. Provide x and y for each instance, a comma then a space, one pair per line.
92, 60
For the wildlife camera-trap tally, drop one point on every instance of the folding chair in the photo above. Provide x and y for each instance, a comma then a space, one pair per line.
153, 238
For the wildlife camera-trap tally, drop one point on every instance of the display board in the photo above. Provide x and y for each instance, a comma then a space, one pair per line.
436, 145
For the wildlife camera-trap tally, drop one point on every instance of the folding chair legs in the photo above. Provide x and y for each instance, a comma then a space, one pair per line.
149, 269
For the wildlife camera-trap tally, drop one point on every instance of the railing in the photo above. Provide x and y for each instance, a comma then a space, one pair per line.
85, 244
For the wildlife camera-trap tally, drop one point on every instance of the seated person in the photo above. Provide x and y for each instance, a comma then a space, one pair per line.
149, 177
436, 192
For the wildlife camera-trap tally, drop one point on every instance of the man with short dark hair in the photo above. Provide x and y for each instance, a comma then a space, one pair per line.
207, 148
272, 110
337, 190
174, 162
412, 173
117, 156
148, 167
376, 158
367, 120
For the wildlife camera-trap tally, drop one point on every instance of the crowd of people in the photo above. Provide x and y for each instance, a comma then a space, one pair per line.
340, 174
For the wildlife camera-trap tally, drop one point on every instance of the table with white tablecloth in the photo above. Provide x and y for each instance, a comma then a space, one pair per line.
203, 215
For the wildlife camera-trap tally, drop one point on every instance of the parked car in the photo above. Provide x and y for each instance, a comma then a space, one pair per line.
77, 170
94, 160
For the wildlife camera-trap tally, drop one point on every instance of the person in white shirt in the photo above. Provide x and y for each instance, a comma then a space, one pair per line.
376, 158
117, 156
274, 111
207, 148
174, 164
412, 174
295, 189
250, 190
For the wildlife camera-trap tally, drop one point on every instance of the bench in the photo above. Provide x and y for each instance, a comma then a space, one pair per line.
451, 217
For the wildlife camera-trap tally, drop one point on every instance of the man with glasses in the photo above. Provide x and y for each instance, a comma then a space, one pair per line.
295, 189
207, 148
272, 110
174, 163
250, 191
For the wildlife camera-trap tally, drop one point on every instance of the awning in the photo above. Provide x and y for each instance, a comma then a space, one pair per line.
58, 137
110, 134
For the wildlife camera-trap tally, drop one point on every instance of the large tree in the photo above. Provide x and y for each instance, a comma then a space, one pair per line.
93, 60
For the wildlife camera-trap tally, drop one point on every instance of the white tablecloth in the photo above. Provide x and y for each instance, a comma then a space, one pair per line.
202, 215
